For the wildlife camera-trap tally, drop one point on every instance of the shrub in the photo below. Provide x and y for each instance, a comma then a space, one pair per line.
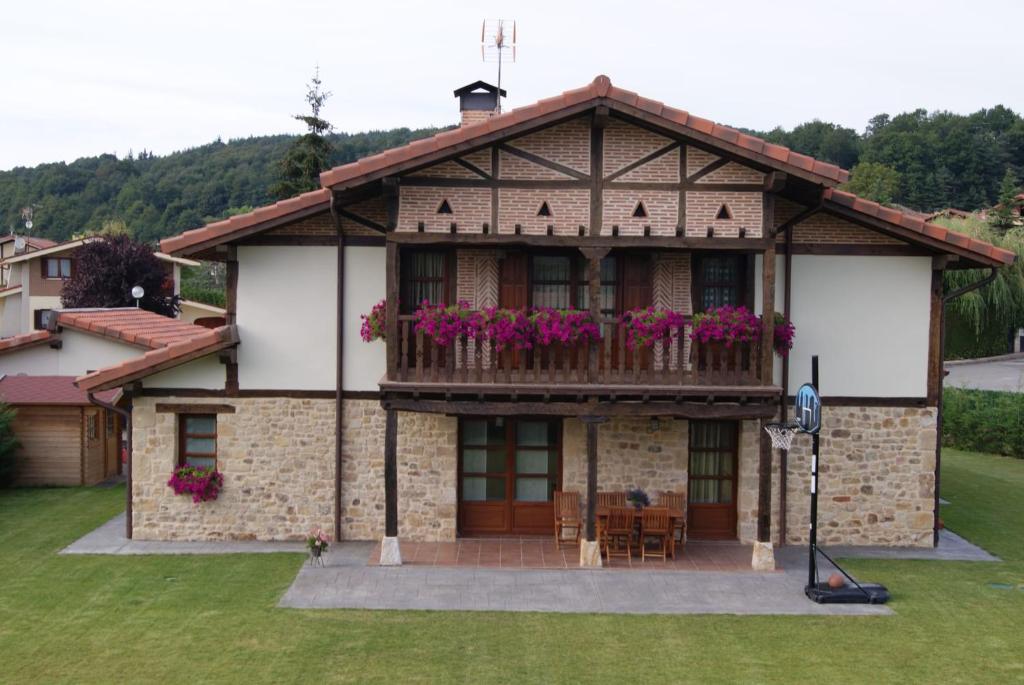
984, 421
8, 444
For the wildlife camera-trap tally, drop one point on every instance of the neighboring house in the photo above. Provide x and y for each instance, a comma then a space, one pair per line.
36, 278
11, 246
64, 439
38, 370
597, 199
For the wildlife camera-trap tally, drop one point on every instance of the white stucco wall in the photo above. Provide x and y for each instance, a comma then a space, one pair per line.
206, 372
364, 363
38, 360
286, 317
10, 319
865, 317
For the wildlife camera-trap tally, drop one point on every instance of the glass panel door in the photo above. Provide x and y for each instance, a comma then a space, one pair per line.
712, 479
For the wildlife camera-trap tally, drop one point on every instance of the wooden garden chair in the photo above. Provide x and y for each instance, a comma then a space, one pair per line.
655, 524
618, 532
611, 499
677, 501
567, 515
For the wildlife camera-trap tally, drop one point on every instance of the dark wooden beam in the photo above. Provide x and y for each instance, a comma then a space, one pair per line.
935, 362
854, 249
572, 241
183, 408
660, 152
666, 408
768, 318
471, 167
339, 337
495, 199
775, 181
392, 198
764, 486
362, 220
714, 166
597, 126
543, 161
391, 272
391, 474
802, 216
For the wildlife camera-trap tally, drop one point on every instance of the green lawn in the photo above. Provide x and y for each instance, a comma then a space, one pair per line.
189, 619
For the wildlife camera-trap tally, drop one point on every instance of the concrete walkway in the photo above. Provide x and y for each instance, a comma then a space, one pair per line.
347, 582
1004, 373
110, 539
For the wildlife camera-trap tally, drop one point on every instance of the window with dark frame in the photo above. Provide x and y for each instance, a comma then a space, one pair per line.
712, 463
57, 267
197, 442
721, 281
560, 282
424, 277
41, 319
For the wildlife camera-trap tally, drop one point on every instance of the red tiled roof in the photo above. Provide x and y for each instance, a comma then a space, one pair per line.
598, 91
18, 342
130, 325
915, 222
46, 390
174, 354
32, 241
319, 199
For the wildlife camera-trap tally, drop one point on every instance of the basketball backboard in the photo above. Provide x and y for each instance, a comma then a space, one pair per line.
807, 408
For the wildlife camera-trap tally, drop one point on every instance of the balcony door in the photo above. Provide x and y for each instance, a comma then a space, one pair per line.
711, 498
509, 469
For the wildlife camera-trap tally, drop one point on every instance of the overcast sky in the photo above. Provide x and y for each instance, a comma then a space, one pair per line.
83, 78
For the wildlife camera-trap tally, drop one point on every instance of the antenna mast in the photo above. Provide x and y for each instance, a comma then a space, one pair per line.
494, 41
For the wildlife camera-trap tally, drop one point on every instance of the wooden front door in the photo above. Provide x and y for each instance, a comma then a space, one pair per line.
711, 498
509, 470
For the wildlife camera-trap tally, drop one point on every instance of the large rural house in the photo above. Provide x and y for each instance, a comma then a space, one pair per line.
597, 200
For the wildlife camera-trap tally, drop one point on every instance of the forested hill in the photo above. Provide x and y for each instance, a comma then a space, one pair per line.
160, 196
925, 161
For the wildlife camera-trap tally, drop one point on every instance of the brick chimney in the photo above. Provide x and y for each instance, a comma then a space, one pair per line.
478, 101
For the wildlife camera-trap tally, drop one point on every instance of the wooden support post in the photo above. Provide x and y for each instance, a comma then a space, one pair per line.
787, 310
768, 318
594, 256
597, 126
391, 271
391, 474
590, 552
339, 336
764, 486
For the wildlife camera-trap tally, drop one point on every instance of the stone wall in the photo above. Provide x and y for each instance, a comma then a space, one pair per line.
876, 477
629, 455
277, 458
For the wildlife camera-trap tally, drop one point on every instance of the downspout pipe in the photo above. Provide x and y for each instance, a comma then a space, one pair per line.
125, 414
948, 297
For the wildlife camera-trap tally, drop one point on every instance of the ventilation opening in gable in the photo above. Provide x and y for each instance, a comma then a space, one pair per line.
444, 208
544, 210
640, 212
723, 213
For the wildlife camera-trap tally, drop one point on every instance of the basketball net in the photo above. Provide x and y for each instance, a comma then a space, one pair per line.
782, 434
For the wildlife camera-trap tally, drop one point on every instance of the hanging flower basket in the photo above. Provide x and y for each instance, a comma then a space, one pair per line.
373, 323
717, 331
784, 333
508, 328
203, 484
645, 327
446, 324
567, 327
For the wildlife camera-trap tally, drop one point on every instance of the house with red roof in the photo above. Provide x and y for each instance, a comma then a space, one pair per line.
34, 276
585, 295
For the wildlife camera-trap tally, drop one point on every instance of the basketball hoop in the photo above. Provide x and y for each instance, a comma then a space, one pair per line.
782, 434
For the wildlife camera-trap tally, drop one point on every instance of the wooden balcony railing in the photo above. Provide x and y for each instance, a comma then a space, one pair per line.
609, 362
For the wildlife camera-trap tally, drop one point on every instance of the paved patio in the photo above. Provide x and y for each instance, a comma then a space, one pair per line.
539, 552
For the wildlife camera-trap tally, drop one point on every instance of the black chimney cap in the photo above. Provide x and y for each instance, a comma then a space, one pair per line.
479, 85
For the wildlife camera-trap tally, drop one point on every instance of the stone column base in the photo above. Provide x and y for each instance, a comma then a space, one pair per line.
590, 554
764, 557
390, 554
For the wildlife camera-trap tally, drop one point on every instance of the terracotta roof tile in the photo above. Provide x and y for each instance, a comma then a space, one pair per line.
600, 91
154, 361
24, 340
130, 325
21, 390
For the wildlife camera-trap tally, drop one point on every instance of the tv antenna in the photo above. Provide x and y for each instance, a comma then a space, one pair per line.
496, 37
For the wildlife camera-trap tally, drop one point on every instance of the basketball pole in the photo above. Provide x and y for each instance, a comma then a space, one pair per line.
812, 562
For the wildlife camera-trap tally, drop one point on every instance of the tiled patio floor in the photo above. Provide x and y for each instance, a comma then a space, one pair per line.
541, 553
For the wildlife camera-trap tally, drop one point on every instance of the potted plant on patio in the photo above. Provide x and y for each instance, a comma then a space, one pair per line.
317, 541
203, 484
638, 498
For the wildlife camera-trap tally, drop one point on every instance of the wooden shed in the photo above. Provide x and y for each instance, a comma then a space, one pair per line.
65, 440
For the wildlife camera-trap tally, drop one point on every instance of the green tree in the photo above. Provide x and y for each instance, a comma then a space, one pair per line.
1001, 217
310, 153
8, 444
874, 181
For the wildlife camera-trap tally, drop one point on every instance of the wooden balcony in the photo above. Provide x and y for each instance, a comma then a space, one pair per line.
678, 369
